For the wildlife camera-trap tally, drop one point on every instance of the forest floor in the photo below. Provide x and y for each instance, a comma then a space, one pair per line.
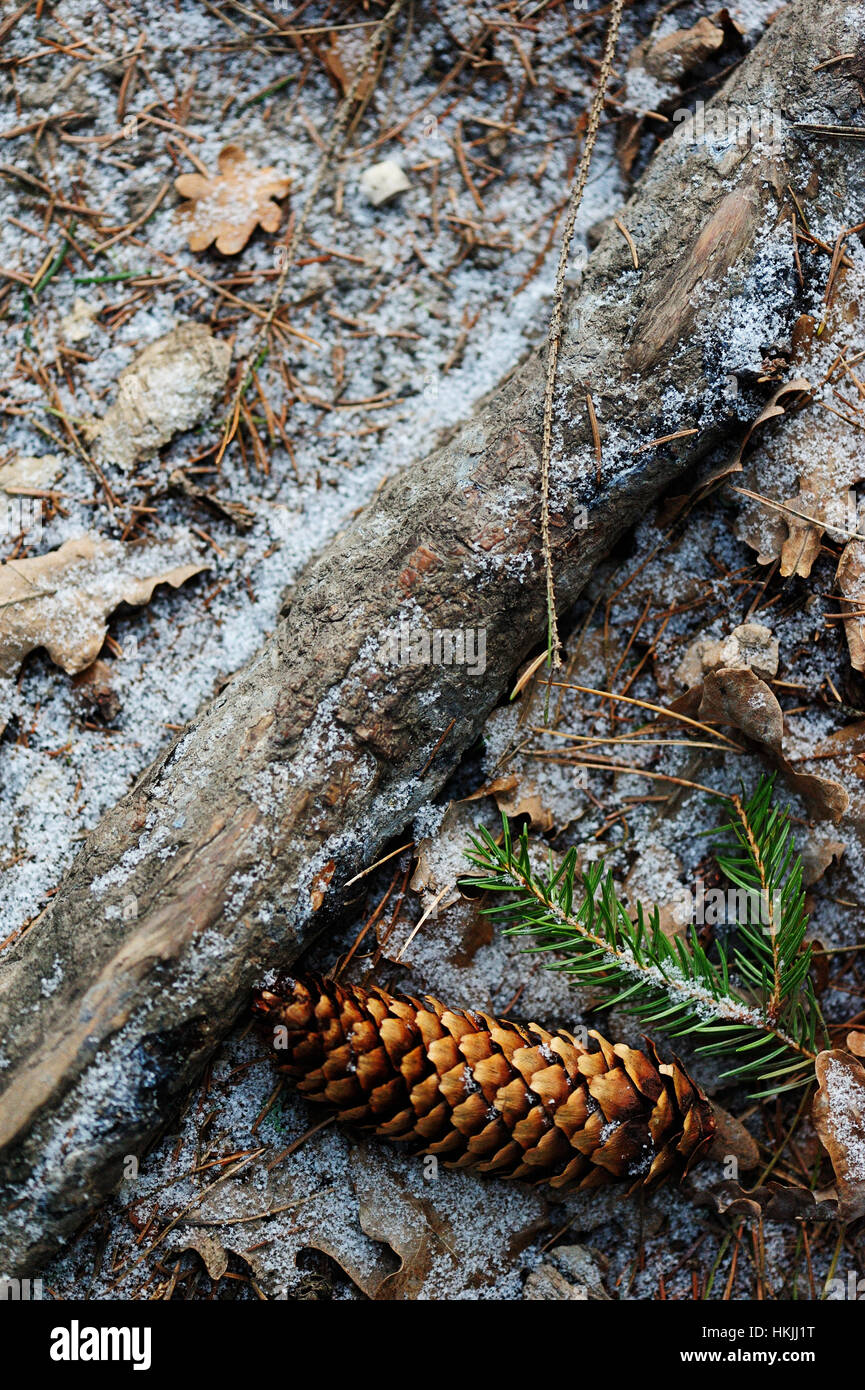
394, 322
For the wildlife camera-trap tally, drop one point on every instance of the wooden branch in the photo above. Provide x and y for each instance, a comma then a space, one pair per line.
230, 853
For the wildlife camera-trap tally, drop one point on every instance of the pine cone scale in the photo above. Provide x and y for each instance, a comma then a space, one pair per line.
508, 1099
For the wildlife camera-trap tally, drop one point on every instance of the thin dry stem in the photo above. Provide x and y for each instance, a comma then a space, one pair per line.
554, 646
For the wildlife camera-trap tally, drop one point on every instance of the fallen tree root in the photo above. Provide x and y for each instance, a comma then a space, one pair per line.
231, 851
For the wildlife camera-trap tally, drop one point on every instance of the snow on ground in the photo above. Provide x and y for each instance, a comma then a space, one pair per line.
402, 311
416, 309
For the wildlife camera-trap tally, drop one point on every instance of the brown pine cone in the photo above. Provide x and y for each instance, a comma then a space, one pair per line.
505, 1098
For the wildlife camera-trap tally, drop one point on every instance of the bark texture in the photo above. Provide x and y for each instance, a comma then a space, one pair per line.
231, 851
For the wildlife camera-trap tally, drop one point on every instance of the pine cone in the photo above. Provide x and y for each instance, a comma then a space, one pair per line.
485, 1093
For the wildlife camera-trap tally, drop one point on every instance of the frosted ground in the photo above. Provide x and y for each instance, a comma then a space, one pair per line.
423, 305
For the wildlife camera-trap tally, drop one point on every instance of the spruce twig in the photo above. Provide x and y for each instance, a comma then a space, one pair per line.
755, 1003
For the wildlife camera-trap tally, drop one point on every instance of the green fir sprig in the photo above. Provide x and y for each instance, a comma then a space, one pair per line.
752, 999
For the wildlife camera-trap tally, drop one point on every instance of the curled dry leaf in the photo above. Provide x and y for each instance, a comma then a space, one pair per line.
856, 1044
516, 795
61, 601
229, 206
818, 852
170, 386
851, 584
740, 699
783, 399
826, 458
839, 1119
684, 50
791, 529
773, 1202
342, 58
20, 479
750, 644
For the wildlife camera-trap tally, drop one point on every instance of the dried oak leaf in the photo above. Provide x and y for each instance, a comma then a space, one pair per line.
228, 207
170, 386
518, 796
21, 480
839, 1119
818, 852
684, 50
773, 1202
341, 60
740, 699
61, 601
851, 585
435, 1240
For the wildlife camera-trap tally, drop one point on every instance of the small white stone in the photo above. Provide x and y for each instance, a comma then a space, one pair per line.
381, 182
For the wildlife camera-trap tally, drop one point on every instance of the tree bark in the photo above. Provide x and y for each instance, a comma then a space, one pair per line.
230, 853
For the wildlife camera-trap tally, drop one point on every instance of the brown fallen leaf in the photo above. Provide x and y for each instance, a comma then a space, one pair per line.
428, 1231
682, 51
817, 854
847, 745
168, 387
772, 1202
517, 796
794, 529
732, 1140
213, 1253
851, 584
341, 60
839, 1119
61, 601
787, 392
750, 644
856, 1044
227, 207
739, 698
